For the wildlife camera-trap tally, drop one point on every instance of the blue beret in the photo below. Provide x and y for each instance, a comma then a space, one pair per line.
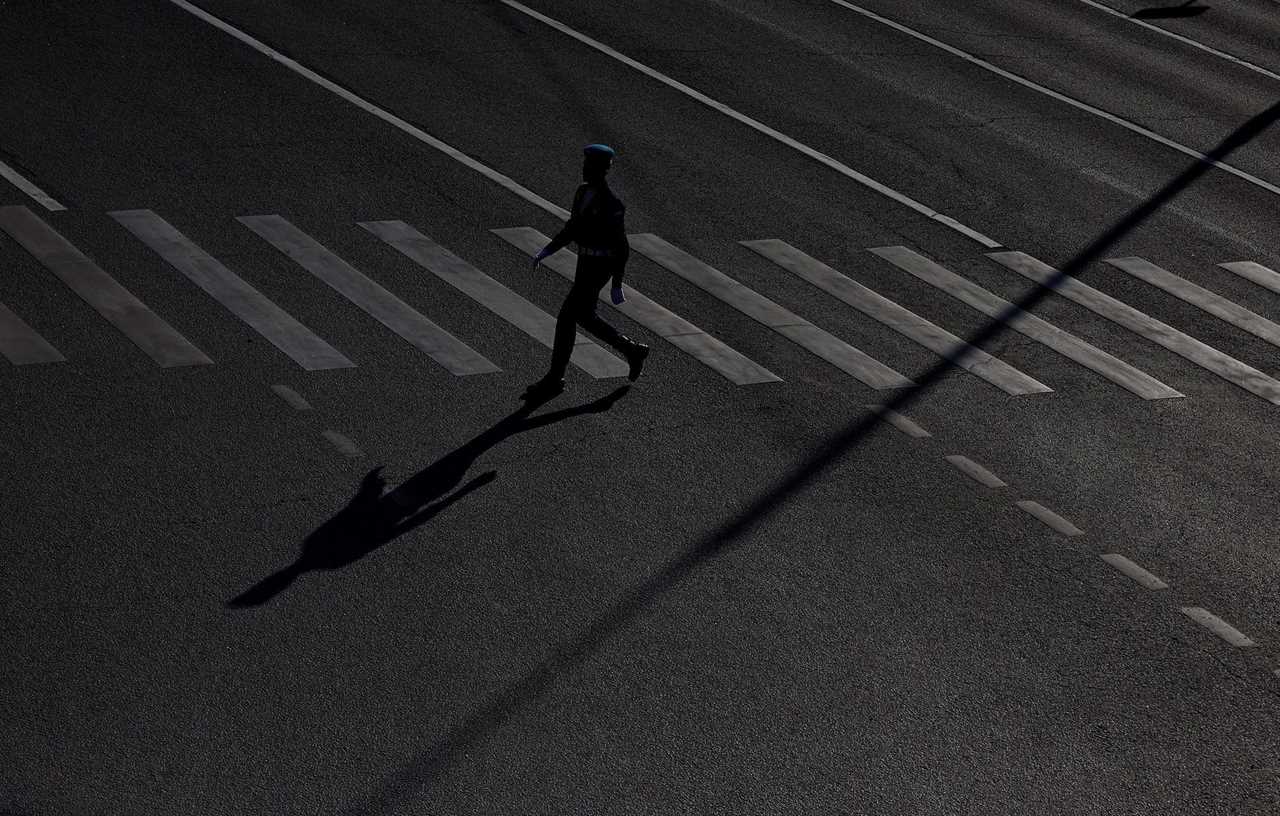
598, 151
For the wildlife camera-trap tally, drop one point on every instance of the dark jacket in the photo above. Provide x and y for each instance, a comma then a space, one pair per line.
597, 225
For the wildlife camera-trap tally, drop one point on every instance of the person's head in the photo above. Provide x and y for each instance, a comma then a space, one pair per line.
596, 161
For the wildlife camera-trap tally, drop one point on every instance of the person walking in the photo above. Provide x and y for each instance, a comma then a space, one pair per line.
596, 225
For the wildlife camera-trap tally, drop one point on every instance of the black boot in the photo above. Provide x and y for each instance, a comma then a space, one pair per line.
635, 357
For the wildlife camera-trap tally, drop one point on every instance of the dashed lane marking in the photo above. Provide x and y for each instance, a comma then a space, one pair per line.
1050, 518
292, 397
976, 471
345, 446
905, 424
1218, 626
1134, 571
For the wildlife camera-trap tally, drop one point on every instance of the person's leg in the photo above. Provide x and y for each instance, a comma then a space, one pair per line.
590, 319
580, 301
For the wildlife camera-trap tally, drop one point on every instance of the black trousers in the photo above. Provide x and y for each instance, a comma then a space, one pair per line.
579, 309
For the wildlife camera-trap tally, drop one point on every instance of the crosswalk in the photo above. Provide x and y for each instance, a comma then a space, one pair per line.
149, 333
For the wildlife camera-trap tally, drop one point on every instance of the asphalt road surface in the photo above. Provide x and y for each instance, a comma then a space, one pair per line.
280, 537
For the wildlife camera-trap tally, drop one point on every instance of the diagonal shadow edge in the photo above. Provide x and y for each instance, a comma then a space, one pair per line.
568, 654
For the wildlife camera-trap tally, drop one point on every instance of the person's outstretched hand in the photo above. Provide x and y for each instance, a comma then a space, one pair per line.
618, 297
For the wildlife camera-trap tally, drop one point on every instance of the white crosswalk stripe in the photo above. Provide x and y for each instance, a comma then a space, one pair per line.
1202, 298
22, 345
491, 294
224, 286
389, 310
148, 331
907, 323
1207, 357
1255, 272
852, 361
661, 321
1068, 345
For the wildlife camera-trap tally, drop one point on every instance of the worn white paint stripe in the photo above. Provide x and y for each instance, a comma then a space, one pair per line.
905, 322
847, 358
976, 471
903, 423
1162, 334
1050, 518
494, 296
345, 446
365, 105
1215, 304
233, 292
148, 331
1061, 97
25, 185
838, 166
292, 397
663, 322
380, 304
1134, 571
1218, 626
1256, 273
1186, 40
22, 345
1068, 345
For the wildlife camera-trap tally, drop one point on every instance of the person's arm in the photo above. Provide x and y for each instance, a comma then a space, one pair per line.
624, 252
569, 231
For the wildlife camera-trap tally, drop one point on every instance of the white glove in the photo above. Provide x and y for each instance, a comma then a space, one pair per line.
618, 297
537, 259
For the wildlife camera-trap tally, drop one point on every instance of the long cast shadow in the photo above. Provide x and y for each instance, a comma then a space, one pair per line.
571, 653
373, 518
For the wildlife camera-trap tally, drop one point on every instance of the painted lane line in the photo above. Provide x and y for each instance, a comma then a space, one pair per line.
903, 423
1186, 40
1218, 626
976, 471
423, 334
1216, 305
1050, 518
668, 325
843, 356
1207, 357
224, 286
345, 446
22, 183
22, 345
369, 107
1255, 273
160, 341
1068, 345
1061, 97
1134, 571
760, 127
292, 397
910, 325
491, 294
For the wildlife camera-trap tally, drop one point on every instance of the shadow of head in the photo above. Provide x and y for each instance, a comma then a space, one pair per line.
373, 517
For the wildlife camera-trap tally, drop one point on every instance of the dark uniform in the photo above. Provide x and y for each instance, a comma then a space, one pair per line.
597, 225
